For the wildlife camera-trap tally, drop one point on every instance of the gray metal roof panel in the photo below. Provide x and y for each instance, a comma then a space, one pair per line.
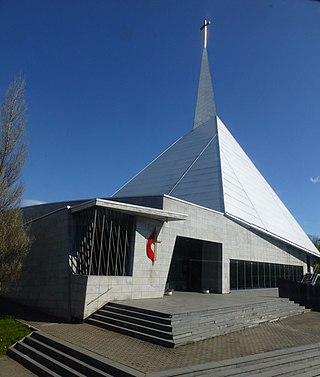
202, 185
162, 174
249, 198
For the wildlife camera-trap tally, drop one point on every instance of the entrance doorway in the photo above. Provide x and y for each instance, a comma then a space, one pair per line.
196, 265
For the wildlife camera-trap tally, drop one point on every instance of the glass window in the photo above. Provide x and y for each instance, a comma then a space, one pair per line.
248, 275
241, 275
282, 269
294, 273
233, 274
287, 272
277, 274
261, 275
273, 274
255, 274
267, 274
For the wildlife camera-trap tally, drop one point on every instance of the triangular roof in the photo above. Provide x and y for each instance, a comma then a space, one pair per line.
208, 167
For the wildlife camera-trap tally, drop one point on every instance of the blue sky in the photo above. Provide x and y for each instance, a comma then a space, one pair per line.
111, 84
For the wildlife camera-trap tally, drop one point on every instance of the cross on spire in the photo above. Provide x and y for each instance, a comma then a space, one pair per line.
205, 32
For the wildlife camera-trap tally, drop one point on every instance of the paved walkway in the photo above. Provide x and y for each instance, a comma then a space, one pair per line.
145, 357
9, 368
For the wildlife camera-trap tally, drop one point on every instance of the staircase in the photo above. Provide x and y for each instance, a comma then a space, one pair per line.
151, 326
173, 330
206, 324
298, 361
45, 355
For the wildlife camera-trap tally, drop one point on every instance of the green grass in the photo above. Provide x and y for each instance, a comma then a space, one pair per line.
10, 332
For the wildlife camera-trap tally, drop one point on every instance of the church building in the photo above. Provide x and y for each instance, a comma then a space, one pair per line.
200, 217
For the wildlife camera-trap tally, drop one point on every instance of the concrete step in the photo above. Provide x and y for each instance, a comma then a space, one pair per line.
139, 315
31, 364
50, 363
132, 326
86, 356
146, 325
194, 334
186, 327
289, 363
304, 368
72, 362
132, 319
46, 355
227, 314
135, 334
214, 323
139, 310
298, 361
214, 329
237, 308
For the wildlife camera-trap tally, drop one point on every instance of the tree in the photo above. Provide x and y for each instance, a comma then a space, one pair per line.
14, 235
316, 241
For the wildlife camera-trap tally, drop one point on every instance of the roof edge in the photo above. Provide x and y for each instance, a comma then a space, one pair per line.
193, 204
253, 226
132, 209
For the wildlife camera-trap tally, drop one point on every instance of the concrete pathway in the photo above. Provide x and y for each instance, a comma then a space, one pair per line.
9, 368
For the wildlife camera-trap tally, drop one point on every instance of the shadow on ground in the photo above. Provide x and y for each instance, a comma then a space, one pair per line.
24, 313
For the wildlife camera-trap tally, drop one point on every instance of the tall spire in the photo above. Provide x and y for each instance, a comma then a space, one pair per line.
205, 108
205, 32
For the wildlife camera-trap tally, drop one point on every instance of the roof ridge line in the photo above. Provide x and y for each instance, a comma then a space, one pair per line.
193, 162
155, 159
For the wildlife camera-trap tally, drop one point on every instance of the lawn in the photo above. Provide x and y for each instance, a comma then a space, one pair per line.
10, 332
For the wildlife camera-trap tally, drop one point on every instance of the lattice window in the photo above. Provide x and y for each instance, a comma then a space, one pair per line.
103, 243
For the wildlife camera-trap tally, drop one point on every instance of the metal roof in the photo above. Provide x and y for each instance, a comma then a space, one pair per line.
208, 167
249, 197
189, 169
131, 209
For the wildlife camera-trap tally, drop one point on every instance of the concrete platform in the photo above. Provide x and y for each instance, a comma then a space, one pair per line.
185, 317
185, 302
